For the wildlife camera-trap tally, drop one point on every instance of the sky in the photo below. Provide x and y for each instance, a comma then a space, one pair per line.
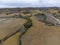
29, 3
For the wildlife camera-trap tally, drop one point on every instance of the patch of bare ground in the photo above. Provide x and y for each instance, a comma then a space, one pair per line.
41, 34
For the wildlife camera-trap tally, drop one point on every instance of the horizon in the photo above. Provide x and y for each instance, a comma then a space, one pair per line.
30, 7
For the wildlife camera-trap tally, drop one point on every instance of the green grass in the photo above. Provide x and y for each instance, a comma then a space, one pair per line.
57, 16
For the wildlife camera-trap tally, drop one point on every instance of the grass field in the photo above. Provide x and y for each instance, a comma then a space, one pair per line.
38, 34
14, 40
8, 27
41, 34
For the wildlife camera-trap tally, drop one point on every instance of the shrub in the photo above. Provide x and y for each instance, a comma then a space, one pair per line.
28, 24
49, 23
8, 13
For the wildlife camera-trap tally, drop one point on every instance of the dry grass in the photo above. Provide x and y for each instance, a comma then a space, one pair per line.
14, 40
53, 11
41, 34
38, 34
10, 26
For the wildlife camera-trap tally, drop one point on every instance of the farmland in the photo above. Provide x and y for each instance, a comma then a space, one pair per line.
30, 26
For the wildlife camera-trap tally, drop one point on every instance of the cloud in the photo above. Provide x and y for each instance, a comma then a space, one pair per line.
51, 2
29, 3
